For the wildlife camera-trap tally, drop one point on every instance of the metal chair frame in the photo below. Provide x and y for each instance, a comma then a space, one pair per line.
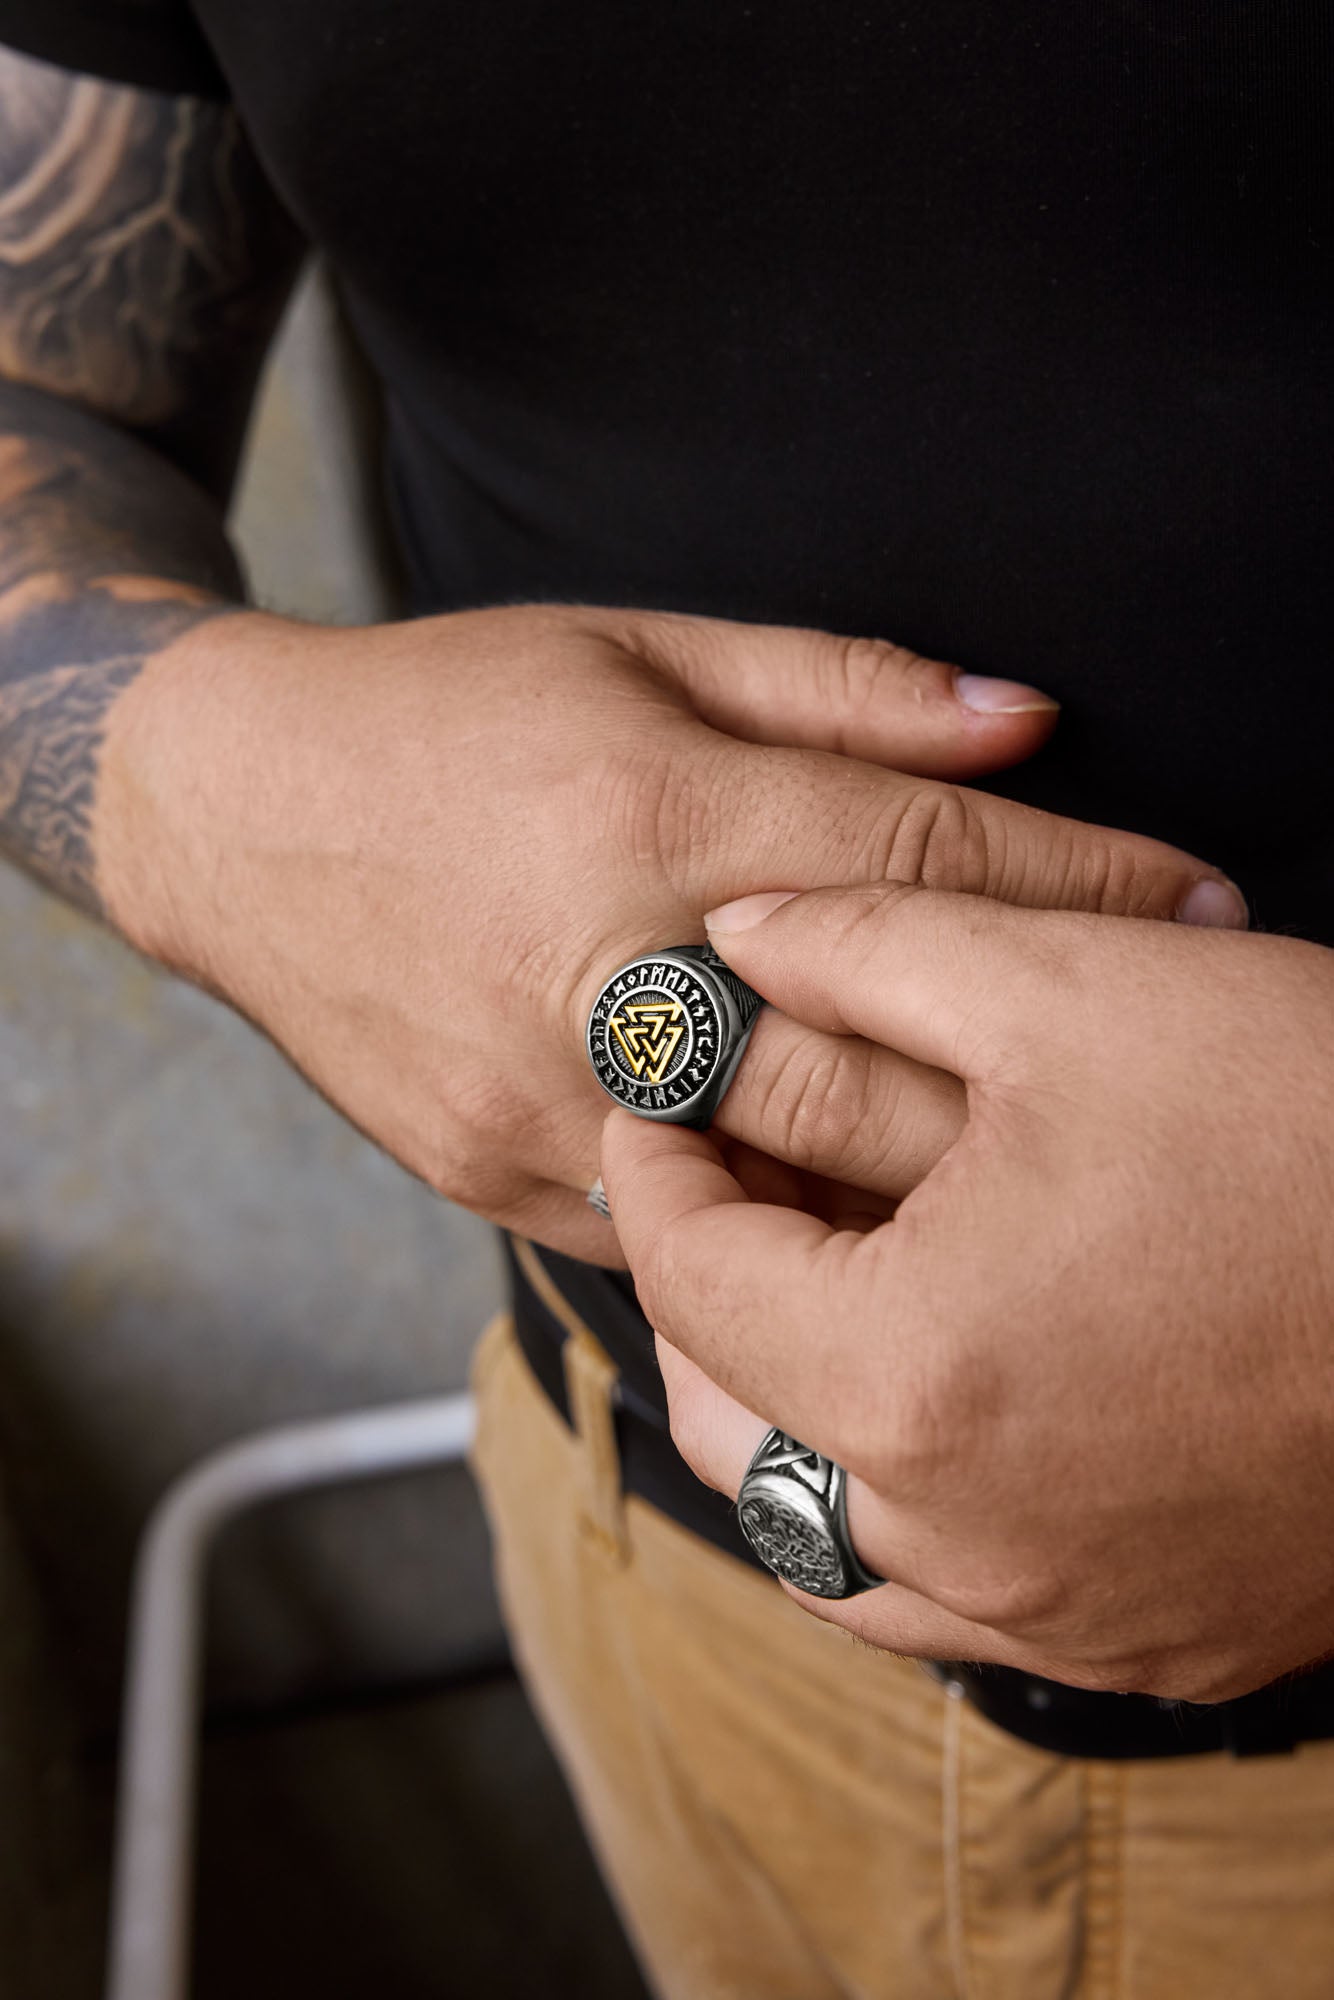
153, 1868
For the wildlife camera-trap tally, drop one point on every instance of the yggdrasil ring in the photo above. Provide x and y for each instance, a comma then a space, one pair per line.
793, 1511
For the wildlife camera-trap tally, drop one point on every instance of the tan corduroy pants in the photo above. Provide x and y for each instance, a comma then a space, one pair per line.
784, 1815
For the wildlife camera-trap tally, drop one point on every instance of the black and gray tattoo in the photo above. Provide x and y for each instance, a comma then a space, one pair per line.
51, 726
143, 257
143, 264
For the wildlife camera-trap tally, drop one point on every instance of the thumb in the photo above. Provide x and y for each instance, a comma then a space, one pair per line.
861, 697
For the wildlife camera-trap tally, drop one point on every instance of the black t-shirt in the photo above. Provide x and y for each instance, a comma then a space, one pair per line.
998, 327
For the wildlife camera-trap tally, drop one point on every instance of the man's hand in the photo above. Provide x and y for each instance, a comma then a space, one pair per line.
1084, 1380
413, 854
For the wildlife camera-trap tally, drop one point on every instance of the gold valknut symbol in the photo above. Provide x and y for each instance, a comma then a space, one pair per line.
648, 1032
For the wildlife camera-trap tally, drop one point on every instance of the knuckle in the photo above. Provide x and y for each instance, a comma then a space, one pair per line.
546, 961
633, 803
908, 1444
477, 1181
1168, 1672
676, 644
1128, 1672
1171, 1678
942, 1420
1125, 878
867, 671
940, 840
653, 801
1080, 867
1004, 1597
472, 1163
812, 1102
1069, 867
1085, 877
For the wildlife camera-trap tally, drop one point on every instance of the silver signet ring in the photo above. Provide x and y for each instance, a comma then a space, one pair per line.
793, 1511
667, 1031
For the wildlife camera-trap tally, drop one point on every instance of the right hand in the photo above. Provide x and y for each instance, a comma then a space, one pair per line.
413, 854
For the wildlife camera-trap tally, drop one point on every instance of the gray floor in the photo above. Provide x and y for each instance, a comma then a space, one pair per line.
192, 1245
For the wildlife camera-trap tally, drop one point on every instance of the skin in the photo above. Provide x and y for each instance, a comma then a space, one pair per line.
412, 854
1082, 1380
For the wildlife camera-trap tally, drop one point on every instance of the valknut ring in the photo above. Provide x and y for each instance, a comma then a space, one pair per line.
667, 1031
793, 1510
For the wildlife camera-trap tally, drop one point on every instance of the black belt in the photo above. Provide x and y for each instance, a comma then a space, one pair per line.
651, 1466
1075, 1722
1072, 1722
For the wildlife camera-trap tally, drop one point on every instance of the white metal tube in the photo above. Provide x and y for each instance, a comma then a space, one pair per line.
149, 1949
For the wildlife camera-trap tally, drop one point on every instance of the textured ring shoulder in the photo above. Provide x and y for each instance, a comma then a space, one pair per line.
667, 1031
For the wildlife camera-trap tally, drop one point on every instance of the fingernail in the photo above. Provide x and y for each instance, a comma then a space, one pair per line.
597, 1200
992, 697
1215, 906
746, 911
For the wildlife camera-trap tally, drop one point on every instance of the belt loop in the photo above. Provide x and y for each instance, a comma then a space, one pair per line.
590, 1384
591, 1377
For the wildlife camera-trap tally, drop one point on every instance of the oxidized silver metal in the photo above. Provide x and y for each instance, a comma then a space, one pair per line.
667, 1031
793, 1510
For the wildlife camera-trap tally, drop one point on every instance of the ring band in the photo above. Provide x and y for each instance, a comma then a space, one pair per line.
793, 1510
667, 1031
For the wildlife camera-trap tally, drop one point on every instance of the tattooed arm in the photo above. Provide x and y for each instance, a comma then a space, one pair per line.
143, 264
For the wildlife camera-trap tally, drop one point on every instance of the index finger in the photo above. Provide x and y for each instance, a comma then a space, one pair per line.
754, 1294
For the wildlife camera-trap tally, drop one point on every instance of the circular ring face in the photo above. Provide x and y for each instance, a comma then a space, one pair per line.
792, 1509
795, 1545
656, 1035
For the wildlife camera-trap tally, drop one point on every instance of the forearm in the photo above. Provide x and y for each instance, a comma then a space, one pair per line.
108, 555
143, 263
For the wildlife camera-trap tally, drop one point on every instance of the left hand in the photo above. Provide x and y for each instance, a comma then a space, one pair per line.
1083, 1383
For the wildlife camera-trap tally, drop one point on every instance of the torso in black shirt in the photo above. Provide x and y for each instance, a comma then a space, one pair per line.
1001, 328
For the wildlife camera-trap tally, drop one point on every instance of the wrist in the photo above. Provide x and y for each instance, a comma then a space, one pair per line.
191, 749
